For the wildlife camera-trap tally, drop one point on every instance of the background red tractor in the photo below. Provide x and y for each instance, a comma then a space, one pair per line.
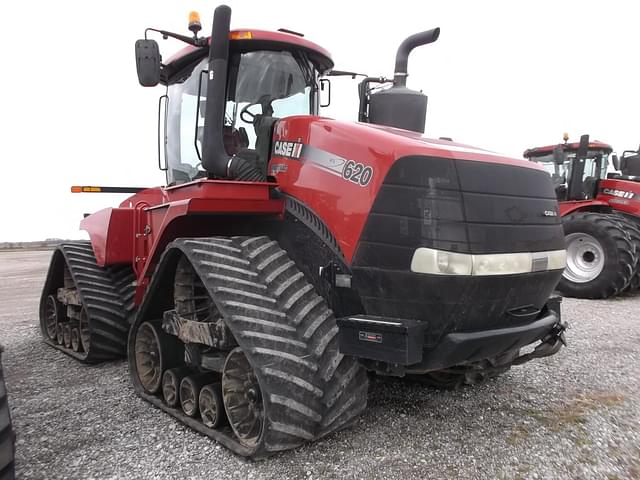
290, 253
601, 215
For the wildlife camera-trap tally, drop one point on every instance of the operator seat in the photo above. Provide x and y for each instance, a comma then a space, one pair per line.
263, 125
631, 166
589, 187
264, 133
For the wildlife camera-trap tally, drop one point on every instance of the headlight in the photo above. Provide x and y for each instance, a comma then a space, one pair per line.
440, 262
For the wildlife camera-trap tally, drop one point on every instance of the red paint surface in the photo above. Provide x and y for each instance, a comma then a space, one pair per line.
110, 233
138, 231
260, 35
567, 147
566, 208
345, 206
606, 201
627, 205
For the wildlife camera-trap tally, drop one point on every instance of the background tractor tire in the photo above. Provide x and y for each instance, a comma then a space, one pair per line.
6, 433
601, 256
632, 227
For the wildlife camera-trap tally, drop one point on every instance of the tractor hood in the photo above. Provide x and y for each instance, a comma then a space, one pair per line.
427, 191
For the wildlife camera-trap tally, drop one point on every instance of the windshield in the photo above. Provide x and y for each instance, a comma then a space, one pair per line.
595, 168
261, 85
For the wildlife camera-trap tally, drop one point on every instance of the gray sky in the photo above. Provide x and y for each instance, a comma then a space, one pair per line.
504, 76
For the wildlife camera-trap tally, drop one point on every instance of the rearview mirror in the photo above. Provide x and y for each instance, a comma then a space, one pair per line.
148, 62
558, 155
615, 161
325, 92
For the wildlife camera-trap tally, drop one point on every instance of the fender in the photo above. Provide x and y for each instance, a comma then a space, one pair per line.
567, 208
144, 224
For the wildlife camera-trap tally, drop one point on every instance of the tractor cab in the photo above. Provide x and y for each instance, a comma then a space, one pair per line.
629, 166
263, 86
269, 76
575, 168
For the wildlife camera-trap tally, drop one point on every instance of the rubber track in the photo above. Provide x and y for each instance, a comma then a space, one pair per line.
6, 433
107, 296
625, 250
288, 334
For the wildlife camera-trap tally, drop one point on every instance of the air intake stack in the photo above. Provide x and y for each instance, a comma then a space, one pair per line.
400, 106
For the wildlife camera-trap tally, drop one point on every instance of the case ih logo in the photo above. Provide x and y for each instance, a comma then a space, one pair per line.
618, 193
287, 149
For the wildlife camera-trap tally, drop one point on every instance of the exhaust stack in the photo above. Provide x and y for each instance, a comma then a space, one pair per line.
215, 159
402, 55
400, 106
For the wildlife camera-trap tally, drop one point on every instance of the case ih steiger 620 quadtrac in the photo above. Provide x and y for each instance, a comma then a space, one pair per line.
601, 215
290, 253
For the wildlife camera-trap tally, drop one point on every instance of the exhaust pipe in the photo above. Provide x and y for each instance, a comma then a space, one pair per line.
399, 106
402, 56
215, 159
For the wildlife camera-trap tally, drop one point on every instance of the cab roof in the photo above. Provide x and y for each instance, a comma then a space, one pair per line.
246, 40
567, 147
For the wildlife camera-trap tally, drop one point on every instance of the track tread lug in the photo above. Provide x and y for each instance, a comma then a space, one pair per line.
107, 296
288, 334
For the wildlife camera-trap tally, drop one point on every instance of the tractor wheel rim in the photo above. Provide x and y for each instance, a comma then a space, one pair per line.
242, 398
585, 258
208, 407
148, 356
170, 388
51, 317
188, 399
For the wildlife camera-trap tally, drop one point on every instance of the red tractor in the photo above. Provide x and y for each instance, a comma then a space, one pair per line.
290, 253
601, 215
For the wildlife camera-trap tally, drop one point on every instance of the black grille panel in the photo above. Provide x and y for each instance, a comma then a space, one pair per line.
464, 206
459, 205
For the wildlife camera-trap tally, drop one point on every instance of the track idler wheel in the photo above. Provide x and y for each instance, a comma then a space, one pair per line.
171, 384
243, 398
148, 351
211, 405
53, 315
190, 392
154, 352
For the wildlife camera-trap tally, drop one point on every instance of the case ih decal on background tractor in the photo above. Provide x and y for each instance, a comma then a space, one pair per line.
601, 216
290, 253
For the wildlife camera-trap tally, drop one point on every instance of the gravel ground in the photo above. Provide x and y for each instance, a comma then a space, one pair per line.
574, 415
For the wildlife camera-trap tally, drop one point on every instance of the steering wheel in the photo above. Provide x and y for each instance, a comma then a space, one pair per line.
250, 116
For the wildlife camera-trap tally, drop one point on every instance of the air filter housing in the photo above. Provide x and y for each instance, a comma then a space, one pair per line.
399, 107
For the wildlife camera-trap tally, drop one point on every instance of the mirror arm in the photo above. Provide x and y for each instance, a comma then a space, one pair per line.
196, 42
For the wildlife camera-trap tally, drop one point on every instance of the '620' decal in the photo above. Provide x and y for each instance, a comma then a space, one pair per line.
357, 173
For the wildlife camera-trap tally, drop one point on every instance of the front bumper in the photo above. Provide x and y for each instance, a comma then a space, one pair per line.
467, 347
396, 346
